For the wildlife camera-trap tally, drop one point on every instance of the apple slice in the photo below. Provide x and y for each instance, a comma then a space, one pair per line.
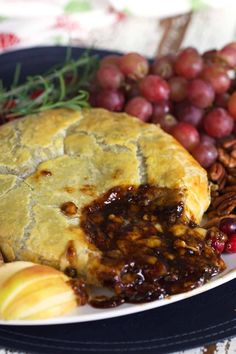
8, 269
32, 291
54, 311
23, 278
40, 299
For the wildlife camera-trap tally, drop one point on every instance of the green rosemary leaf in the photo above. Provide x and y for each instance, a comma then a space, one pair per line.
52, 90
62, 87
16, 75
34, 81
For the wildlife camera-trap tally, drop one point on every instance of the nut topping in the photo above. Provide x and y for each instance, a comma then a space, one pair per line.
217, 174
69, 208
223, 174
226, 158
45, 173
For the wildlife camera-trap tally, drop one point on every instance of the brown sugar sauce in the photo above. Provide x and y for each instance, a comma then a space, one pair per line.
148, 250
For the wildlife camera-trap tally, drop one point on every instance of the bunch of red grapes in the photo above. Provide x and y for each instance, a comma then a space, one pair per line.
191, 96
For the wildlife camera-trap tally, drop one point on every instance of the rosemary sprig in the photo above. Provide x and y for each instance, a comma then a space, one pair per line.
63, 86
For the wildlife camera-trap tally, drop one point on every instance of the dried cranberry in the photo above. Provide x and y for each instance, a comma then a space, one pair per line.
217, 244
230, 246
36, 93
228, 226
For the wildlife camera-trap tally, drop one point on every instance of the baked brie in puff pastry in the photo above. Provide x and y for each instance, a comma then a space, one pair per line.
56, 164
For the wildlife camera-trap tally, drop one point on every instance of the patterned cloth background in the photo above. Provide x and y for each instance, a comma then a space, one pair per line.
148, 26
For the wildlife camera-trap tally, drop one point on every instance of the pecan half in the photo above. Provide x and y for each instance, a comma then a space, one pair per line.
226, 203
231, 180
223, 192
216, 172
226, 159
230, 195
229, 143
233, 153
230, 189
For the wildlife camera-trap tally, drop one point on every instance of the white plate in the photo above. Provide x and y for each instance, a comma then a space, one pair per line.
88, 313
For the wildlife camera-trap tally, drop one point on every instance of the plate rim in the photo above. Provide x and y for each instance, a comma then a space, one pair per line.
221, 279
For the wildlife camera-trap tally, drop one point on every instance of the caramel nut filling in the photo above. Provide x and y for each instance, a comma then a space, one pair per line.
142, 262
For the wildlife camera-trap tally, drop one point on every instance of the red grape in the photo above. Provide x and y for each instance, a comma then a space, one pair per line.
110, 99
221, 100
139, 107
160, 110
230, 246
93, 91
178, 88
134, 66
188, 113
186, 134
228, 225
163, 67
166, 122
200, 93
110, 60
189, 63
232, 105
93, 99
228, 54
205, 154
154, 89
131, 89
232, 45
218, 77
210, 56
218, 123
233, 83
110, 77
206, 139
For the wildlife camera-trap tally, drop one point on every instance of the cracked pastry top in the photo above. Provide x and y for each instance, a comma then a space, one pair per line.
54, 164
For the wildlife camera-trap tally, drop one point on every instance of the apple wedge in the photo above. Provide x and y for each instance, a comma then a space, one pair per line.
32, 291
8, 269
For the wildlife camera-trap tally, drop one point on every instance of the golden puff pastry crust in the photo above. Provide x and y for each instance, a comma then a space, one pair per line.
64, 158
